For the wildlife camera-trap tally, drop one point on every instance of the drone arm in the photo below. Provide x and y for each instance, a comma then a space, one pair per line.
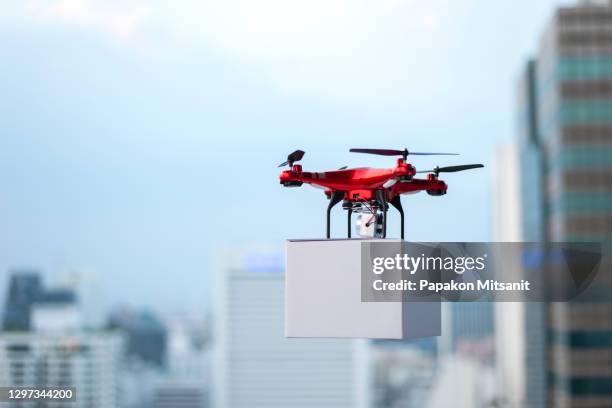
296, 176
416, 185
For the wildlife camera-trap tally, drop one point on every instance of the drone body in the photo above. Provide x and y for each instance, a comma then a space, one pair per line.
368, 191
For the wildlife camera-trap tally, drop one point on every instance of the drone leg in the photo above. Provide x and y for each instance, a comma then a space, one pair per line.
385, 221
350, 212
397, 203
335, 198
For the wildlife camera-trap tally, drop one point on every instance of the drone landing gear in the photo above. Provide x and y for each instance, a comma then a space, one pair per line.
397, 203
349, 212
335, 198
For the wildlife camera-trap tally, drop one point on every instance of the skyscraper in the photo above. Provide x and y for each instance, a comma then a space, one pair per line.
32, 306
145, 335
520, 328
566, 195
522, 169
24, 289
256, 366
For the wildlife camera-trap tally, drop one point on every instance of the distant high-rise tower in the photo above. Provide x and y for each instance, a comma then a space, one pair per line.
256, 366
565, 155
145, 335
31, 306
518, 206
24, 289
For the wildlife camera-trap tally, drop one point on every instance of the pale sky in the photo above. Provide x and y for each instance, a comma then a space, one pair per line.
140, 138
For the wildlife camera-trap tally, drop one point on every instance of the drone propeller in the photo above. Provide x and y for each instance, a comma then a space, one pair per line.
292, 158
343, 168
451, 169
404, 153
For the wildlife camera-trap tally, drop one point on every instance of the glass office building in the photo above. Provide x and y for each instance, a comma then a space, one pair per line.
257, 366
566, 170
24, 289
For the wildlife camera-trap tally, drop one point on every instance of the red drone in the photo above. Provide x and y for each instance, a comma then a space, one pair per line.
368, 191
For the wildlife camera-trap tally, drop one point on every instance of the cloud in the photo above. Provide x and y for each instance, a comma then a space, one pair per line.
349, 51
119, 20
346, 51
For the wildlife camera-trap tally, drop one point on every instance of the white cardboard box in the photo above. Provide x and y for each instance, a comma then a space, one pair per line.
323, 297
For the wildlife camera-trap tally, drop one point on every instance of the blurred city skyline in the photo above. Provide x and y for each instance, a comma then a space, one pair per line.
142, 223
140, 140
